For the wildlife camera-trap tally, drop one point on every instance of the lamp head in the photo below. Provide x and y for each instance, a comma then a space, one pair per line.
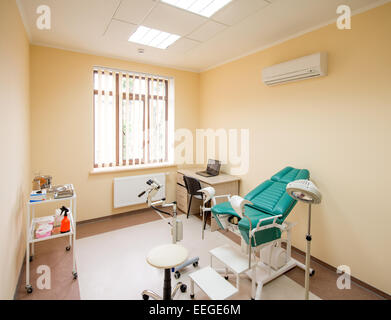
304, 190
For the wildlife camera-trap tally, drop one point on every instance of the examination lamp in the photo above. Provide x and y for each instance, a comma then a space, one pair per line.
306, 191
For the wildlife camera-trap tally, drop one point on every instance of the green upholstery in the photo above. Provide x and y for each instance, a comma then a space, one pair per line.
268, 199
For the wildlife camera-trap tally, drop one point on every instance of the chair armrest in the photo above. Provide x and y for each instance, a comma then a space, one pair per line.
274, 218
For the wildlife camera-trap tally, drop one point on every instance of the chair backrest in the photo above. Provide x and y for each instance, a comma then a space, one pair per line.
192, 185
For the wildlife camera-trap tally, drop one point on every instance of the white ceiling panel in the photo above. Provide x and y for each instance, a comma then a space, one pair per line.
207, 31
71, 19
173, 20
238, 10
183, 45
88, 26
120, 31
134, 11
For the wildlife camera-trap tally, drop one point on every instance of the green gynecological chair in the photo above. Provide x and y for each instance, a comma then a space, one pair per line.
262, 225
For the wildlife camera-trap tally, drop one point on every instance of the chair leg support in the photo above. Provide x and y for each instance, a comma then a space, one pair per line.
189, 207
205, 218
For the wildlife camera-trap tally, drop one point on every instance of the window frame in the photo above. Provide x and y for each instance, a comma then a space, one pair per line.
146, 98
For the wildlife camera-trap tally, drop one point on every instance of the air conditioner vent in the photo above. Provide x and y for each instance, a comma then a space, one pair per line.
303, 68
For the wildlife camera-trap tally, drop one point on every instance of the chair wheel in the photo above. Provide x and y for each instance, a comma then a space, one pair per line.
75, 276
31, 258
183, 288
145, 297
177, 275
195, 264
68, 248
192, 296
312, 272
29, 289
226, 277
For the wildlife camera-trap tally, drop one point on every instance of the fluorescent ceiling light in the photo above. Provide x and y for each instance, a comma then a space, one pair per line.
153, 38
206, 8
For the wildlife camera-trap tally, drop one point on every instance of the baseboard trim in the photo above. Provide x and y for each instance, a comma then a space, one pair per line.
112, 216
354, 279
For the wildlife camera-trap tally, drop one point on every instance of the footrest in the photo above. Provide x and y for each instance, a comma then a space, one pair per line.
213, 284
232, 258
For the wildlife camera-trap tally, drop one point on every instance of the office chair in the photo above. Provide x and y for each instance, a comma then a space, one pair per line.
193, 187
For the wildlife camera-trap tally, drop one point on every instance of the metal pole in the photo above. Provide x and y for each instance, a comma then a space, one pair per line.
308, 256
28, 246
167, 285
174, 230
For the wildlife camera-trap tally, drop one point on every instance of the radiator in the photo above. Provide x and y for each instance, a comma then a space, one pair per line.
127, 189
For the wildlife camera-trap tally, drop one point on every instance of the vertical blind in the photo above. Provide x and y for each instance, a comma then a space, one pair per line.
131, 118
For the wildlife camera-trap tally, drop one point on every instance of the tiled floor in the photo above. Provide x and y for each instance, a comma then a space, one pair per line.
53, 254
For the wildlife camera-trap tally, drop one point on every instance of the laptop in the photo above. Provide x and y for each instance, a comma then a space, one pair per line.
212, 170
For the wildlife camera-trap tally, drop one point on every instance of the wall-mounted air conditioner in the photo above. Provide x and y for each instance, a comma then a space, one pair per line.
312, 66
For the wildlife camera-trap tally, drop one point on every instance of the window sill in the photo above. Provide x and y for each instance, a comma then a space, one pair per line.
133, 168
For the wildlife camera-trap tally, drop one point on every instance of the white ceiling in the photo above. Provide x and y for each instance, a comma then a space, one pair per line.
103, 27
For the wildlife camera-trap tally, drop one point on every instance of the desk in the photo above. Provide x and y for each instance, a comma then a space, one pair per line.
223, 184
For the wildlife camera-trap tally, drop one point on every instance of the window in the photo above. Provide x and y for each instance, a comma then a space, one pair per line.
132, 119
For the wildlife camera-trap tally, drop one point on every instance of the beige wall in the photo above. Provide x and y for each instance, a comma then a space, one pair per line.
62, 122
338, 127
15, 144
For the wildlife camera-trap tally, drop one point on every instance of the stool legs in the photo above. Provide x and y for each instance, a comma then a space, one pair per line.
167, 294
150, 294
177, 287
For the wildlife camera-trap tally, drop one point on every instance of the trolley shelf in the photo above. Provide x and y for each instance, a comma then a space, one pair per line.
32, 238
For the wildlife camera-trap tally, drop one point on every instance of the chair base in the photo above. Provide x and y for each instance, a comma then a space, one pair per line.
150, 294
259, 279
167, 294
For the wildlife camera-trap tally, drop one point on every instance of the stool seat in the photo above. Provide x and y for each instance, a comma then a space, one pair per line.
167, 256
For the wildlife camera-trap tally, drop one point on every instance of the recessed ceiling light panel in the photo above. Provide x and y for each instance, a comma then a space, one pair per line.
206, 8
153, 38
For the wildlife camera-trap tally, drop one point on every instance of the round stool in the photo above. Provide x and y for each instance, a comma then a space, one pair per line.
166, 257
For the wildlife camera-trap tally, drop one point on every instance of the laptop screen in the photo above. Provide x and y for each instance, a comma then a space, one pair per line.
213, 167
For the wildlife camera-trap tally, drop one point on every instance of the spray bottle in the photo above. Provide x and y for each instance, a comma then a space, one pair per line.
65, 223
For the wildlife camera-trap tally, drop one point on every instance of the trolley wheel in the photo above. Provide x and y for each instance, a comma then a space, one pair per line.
312, 272
29, 289
31, 258
183, 288
195, 264
75, 275
145, 297
192, 296
177, 275
226, 277
68, 248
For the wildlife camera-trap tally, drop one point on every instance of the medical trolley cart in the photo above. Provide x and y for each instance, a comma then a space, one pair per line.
30, 234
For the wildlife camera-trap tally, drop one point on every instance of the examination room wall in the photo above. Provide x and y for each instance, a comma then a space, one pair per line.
62, 123
337, 126
15, 144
